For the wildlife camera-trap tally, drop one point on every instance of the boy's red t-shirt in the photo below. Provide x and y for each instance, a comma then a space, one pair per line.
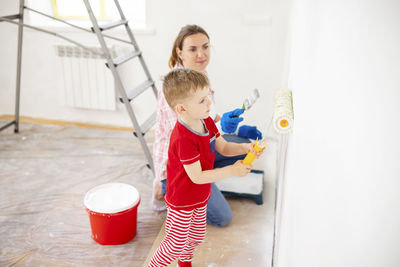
186, 147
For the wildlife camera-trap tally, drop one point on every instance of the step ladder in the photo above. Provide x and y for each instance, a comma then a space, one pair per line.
112, 63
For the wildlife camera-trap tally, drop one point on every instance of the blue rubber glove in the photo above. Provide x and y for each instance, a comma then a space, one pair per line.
249, 132
230, 120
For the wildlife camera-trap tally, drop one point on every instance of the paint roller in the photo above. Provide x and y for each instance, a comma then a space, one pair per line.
283, 111
282, 119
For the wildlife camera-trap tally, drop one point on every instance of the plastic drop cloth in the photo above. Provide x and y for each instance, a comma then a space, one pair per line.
45, 172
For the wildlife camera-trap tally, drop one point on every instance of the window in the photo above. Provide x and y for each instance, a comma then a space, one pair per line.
74, 11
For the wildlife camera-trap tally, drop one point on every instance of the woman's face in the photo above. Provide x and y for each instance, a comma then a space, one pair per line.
195, 53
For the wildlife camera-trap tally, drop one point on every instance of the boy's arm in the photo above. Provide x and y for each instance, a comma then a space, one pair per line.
198, 176
229, 149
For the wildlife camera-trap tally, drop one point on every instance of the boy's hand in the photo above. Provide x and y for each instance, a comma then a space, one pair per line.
240, 169
249, 147
259, 153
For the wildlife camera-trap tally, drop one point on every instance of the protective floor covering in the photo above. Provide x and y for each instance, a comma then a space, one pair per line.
45, 172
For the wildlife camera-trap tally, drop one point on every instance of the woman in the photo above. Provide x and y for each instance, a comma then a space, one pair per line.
191, 49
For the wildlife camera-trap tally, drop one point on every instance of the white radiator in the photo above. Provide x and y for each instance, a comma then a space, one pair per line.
83, 79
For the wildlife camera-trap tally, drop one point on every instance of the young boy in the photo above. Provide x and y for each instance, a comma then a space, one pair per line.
193, 142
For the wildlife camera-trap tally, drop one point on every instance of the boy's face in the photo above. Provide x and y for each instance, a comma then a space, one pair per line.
197, 106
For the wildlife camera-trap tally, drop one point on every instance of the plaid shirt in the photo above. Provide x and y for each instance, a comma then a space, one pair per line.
166, 119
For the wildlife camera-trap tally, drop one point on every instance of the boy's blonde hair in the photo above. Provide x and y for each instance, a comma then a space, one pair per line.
180, 83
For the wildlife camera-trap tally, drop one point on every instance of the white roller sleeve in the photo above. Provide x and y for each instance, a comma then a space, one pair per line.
283, 111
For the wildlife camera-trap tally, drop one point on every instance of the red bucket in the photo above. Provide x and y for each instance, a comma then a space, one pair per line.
112, 210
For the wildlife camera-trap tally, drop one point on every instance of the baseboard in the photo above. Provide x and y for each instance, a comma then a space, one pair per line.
64, 123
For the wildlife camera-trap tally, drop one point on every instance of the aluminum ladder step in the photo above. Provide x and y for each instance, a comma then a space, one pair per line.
11, 17
112, 25
147, 124
124, 58
137, 90
112, 64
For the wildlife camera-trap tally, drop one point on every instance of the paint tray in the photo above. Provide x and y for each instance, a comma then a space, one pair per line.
249, 186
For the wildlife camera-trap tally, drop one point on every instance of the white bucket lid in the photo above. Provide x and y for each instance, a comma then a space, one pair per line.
111, 198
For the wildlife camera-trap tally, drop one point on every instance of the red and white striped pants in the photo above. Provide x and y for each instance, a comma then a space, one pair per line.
184, 230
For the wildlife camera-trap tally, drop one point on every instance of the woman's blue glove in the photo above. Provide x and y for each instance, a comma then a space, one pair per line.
230, 120
249, 132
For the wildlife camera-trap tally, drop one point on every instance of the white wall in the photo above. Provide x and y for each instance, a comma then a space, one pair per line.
342, 200
245, 55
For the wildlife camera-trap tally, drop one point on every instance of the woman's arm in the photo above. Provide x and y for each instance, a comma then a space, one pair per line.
198, 176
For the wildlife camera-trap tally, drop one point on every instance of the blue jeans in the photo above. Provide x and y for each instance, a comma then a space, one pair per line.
219, 212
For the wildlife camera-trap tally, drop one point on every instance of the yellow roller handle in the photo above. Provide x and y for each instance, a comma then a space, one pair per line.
250, 157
